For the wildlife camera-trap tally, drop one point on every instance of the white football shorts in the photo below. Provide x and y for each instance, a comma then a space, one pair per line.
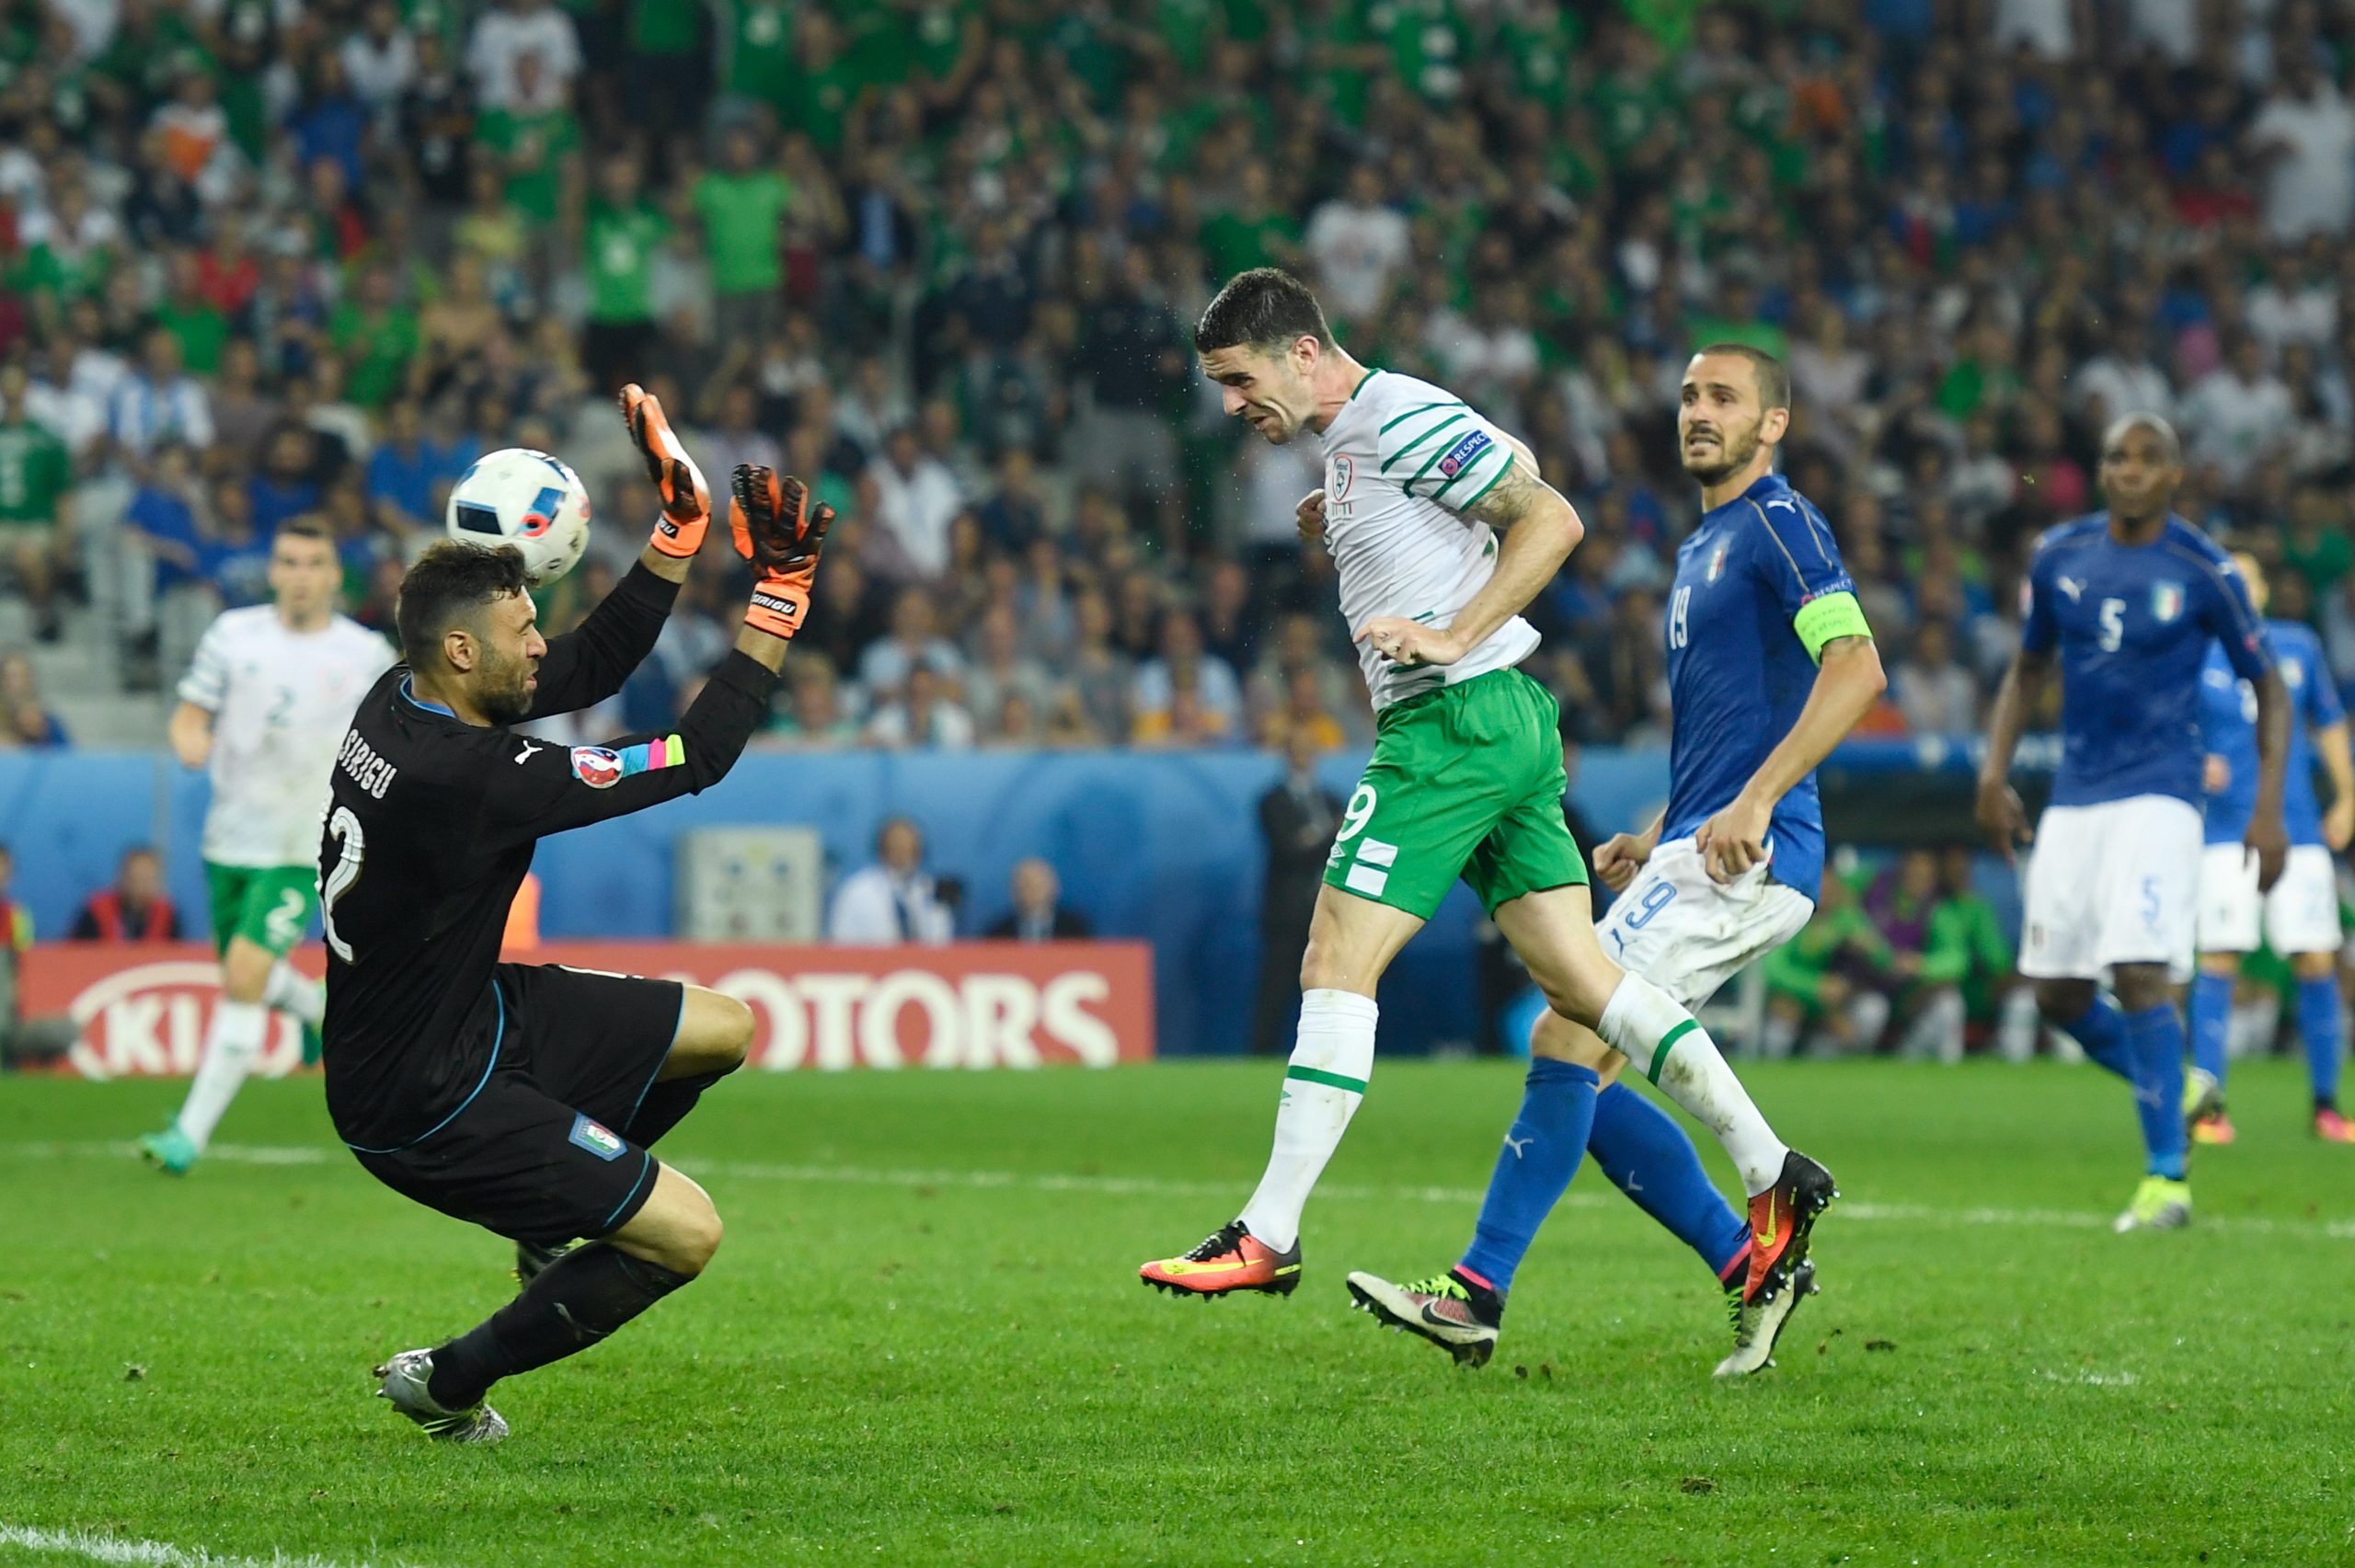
2109, 884
2300, 915
1688, 934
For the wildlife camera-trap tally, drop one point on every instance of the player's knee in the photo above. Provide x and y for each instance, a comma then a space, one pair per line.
715, 1032
689, 1240
1320, 966
245, 970
1558, 1038
2063, 1002
2315, 966
732, 1025
2142, 986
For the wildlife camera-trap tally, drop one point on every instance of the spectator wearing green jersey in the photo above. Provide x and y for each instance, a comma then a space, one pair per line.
377, 335
36, 477
1826, 986
743, 205
623, 236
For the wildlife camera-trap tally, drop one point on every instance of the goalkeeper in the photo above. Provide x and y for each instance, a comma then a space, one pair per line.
524, 1098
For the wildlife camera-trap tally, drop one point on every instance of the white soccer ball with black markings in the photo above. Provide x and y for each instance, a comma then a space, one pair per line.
528, 499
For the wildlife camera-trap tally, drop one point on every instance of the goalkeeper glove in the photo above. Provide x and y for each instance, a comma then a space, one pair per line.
687, 503
778, 531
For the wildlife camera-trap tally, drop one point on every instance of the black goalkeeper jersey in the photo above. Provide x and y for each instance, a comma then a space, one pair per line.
430, 832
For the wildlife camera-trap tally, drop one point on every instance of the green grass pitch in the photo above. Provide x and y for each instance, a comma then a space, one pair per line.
924, 1342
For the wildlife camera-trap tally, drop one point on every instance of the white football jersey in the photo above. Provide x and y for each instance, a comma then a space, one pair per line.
280, 702
1403, 458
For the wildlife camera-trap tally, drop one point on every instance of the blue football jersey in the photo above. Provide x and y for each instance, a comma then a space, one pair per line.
2228, 728
1738, 670
2131, 625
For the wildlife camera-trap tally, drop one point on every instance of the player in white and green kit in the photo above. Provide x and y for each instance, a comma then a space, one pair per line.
1442, 530
265, 703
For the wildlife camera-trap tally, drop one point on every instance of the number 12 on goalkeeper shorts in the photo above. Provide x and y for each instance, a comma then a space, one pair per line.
1370, 871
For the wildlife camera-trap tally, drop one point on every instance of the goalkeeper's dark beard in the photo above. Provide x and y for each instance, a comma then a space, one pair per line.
1735, 450
500, 690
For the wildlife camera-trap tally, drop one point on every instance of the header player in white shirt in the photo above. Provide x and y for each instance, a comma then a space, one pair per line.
1442, 530
265, 705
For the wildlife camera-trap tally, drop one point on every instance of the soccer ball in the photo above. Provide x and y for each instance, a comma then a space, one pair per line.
528, 499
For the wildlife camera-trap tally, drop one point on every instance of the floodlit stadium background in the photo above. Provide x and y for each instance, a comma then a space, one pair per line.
258, 260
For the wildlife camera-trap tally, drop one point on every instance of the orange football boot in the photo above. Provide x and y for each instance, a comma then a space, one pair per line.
1231, 1259
2332, 1128
1780, 1219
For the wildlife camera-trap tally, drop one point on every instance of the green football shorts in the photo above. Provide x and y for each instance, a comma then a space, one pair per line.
1466, 781
271, 904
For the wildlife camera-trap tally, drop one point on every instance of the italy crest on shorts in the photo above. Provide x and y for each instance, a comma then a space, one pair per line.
2166, 601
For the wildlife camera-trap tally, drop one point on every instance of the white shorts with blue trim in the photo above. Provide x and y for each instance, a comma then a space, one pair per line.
1689, 934
2113, 883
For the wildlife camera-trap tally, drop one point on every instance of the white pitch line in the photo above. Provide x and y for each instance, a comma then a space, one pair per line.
95, 1548
1161, 1186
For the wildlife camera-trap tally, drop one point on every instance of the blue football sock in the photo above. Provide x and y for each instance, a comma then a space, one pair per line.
2322, 1029
2155, 1035
2101, 1030
2211, 1021
1540, 1156
1646, 1156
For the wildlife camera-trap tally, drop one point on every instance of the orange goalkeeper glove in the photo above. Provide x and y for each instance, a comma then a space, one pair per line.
778, 531
687, 503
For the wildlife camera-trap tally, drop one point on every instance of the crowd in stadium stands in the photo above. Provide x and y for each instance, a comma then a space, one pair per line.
260, 258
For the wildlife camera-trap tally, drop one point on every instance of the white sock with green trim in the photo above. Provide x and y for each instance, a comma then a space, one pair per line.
1331, 1060
289, 991
1668, 1046
230, 1046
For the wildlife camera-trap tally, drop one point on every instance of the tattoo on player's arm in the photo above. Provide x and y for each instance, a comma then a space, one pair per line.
1508, 499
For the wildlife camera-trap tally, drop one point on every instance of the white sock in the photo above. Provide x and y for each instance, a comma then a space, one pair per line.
289, 991
1330, 1062
1936, 1032
1669, 1046
2015, 1035
230, 1046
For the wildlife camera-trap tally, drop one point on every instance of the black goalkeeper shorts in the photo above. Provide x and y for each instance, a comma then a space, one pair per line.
542, 1151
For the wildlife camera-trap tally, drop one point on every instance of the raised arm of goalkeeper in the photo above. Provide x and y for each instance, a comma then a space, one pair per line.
776, 528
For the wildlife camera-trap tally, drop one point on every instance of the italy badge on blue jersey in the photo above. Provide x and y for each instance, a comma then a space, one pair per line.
1718, 562
2166, 601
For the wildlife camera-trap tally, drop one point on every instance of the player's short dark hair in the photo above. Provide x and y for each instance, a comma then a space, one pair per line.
1773, 376
448, 586
1265, 308
310, 525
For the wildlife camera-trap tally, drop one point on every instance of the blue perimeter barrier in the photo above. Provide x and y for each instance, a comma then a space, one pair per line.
1163, 846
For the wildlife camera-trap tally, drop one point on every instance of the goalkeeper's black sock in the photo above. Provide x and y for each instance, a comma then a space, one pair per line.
574, 1302
665, 1105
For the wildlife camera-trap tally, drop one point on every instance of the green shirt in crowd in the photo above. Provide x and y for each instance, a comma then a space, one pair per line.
532, 148
35, 472
378, 346
202, 332
668, 28
741, 214
760, 51
622, 244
